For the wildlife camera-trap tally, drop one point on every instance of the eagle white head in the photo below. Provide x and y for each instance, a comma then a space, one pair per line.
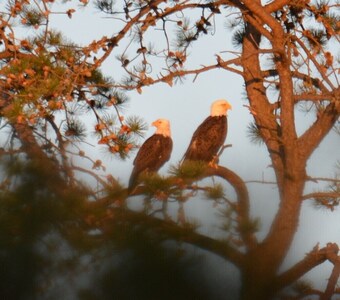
162, 127
219, 108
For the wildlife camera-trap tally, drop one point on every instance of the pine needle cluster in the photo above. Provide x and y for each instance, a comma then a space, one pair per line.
189, 170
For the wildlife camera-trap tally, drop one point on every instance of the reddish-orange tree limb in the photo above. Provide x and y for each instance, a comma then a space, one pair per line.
331, 195
310, 261
333, 279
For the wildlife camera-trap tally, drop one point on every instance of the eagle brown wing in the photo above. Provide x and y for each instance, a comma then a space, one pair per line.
152, 155
207, 139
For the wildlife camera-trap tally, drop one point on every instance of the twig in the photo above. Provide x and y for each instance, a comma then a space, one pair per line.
332, 195
223, 148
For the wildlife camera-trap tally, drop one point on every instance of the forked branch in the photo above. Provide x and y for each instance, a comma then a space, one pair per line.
312, 259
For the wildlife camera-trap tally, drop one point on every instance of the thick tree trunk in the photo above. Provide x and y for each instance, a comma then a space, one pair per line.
262, 264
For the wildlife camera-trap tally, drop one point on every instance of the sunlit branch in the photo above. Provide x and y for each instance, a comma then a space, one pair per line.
324, 123
275, 5
316, 82
257, 24
323, 195
333, 280
316, 179
312, 259
266, 18
226, 64
313, 59
313, 97
180, 74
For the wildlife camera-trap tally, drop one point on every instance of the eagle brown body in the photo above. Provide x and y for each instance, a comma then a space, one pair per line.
209, 137
154, 153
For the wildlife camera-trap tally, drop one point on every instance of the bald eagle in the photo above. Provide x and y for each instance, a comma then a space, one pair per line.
210, 135
154, 153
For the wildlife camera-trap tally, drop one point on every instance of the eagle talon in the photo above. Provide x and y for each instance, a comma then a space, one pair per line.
214, 162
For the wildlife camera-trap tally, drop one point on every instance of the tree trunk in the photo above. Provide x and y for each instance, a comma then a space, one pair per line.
260, 270
262, 263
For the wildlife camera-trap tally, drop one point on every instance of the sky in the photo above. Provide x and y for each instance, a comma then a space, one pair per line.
186, 106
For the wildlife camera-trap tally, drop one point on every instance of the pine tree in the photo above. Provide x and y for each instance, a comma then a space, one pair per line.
285, 51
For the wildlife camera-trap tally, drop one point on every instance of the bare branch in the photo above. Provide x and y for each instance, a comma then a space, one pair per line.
316, 82
260, 181
316, 179
323, 124
313, 97
333, 280
331, 195
276, 5
316, 64
312, 259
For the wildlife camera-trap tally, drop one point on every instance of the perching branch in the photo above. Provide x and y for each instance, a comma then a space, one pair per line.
242, 202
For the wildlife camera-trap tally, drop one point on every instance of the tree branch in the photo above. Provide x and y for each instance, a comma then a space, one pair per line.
113, 42
332, 195
316, 82
168, 229
259, 104
312, 97
315, 62
333, 280
276, 5
320, 128
312, 259
242, 202
316, 179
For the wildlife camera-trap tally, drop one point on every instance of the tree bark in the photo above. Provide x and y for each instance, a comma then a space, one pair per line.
262, 263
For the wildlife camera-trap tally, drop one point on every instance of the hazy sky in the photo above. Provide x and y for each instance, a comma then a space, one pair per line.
187, 105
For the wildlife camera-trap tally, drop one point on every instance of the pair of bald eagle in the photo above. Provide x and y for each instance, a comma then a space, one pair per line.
205, 143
